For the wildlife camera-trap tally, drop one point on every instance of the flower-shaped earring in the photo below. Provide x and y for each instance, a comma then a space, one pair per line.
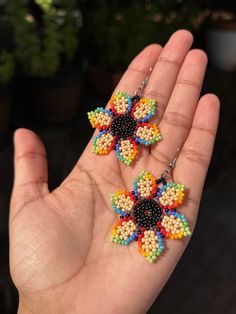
125, 125
148, 214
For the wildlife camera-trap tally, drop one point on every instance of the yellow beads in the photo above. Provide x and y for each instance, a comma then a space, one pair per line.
127, 149
120, 104
102, 119
103, 143
125, 230
146, 216
145, 133
174, 226
142, 110
123, 201
170, 196
149, 242
145, 186
126, 118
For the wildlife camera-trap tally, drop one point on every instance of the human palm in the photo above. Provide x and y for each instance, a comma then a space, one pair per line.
60, 254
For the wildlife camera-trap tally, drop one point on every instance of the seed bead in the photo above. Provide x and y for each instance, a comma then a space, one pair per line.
142, 110
103, 144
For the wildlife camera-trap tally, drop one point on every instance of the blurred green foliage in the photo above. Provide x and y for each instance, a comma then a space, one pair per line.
117, 30
42, 46
69, 32
114, 31
7, 66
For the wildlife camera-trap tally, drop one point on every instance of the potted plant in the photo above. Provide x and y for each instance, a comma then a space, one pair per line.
118, 30
6, 75
46, 42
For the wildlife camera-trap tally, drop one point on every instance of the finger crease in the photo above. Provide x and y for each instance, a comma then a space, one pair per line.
172, 62
37, 182
133, 69
31, 154
157, 96
177, 119
195, 157
203, 129
188, 83
160, 157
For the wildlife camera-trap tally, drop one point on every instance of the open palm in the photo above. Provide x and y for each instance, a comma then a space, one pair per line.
60, 254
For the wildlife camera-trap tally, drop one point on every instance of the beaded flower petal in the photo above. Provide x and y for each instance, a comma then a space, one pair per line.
103, 143
124, 126
147, 134
148, 215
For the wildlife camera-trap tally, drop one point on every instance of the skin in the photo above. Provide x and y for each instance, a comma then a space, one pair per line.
61, 259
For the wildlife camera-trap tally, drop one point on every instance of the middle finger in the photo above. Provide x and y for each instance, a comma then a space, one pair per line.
165, 72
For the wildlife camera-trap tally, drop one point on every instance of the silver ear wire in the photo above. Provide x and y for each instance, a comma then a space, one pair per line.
171, 164
143, 84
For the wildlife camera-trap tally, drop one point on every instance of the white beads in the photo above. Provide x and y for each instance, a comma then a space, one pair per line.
172, 224
149, 241
126, 229
142, 110
145, 187
145, 133
169, 196
105, 141
102, 119
126, 148
121, 105
124, 202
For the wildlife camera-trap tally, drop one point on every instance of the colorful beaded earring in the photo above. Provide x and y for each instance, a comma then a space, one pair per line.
125, 125
148, 213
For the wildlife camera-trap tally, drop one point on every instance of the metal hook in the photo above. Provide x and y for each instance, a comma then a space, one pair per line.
143, 84
171, 164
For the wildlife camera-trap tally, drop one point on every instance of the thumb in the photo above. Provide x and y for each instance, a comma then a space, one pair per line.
30, 164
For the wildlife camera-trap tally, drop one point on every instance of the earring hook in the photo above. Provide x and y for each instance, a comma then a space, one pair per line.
143, 84
171, 164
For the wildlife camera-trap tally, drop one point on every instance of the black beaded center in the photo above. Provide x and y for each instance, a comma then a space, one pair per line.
123, 126
147, 213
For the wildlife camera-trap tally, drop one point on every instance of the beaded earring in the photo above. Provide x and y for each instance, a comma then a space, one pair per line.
148, 213
124, 125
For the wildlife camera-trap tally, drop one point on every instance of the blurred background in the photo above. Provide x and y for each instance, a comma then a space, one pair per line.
59, 59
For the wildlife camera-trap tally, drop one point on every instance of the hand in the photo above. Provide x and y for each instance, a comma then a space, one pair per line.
60, 255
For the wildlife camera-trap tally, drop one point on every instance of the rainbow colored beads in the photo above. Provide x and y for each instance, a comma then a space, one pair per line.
124, 126
150, 244
148, 215
127, 151
145, 185
103, 143
174, 226
171, 195
100, 118
124, 231
144, 109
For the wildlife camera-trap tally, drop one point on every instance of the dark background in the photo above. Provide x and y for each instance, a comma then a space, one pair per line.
67, 61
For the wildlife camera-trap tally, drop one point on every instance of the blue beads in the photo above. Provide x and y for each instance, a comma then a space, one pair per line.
131, 238
160, 243
119, 211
